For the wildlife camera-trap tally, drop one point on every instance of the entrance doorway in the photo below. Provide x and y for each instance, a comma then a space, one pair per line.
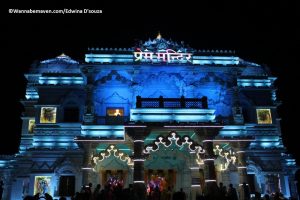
161, 179
67, 186
113, 178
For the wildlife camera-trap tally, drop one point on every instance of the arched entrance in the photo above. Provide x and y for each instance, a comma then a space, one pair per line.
173, 161
113, 165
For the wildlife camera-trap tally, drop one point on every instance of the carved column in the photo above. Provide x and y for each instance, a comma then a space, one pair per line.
210, 188
89, 112
236, 108
8, 187
293, 185
240, 148
138, 135
209, 167
87, 166
7, 180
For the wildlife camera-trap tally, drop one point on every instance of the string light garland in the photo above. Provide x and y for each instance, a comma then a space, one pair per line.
174, 138
230, 156
112, 150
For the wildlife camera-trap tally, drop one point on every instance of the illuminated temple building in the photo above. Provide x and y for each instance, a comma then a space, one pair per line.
157, 114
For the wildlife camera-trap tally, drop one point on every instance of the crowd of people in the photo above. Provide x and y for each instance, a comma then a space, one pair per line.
231, 193
166, 194
110, 192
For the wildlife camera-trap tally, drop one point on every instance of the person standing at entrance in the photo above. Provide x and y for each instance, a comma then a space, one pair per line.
222, 191
96, 194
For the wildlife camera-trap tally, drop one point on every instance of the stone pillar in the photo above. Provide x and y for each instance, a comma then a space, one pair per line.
210, 188
8, 187
242, 166
138, 170
240, 148
207, 135
56, 189
87, 166
293, 185
237, 111
89, 112
138, 134
138, 173
7, 178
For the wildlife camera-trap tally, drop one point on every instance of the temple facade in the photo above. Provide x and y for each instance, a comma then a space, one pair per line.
160, 114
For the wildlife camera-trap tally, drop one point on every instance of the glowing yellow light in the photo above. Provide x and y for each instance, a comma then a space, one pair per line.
158, 36
31, 125
117, 113
62, 55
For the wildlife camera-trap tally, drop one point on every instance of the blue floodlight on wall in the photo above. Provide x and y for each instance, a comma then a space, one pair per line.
108, 58
290, 162
167, 115
266, 144
245, 82
61, 80
106, 131
3, 163
230, 131
219, 60
31, 93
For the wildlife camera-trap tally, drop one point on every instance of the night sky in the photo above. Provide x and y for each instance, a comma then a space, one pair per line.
265, 34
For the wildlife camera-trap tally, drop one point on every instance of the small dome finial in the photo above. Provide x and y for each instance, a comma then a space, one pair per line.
158, 36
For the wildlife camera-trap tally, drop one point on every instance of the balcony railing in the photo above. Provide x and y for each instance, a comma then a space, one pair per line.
162, 102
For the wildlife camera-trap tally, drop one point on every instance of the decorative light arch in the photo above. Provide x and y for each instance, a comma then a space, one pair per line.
109, 151
230, 156
179, 141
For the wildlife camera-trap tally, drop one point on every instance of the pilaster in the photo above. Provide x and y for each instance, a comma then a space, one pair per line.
89, 111
138, 134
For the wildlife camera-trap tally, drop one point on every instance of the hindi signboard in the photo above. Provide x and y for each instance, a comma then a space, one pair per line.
168, 56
